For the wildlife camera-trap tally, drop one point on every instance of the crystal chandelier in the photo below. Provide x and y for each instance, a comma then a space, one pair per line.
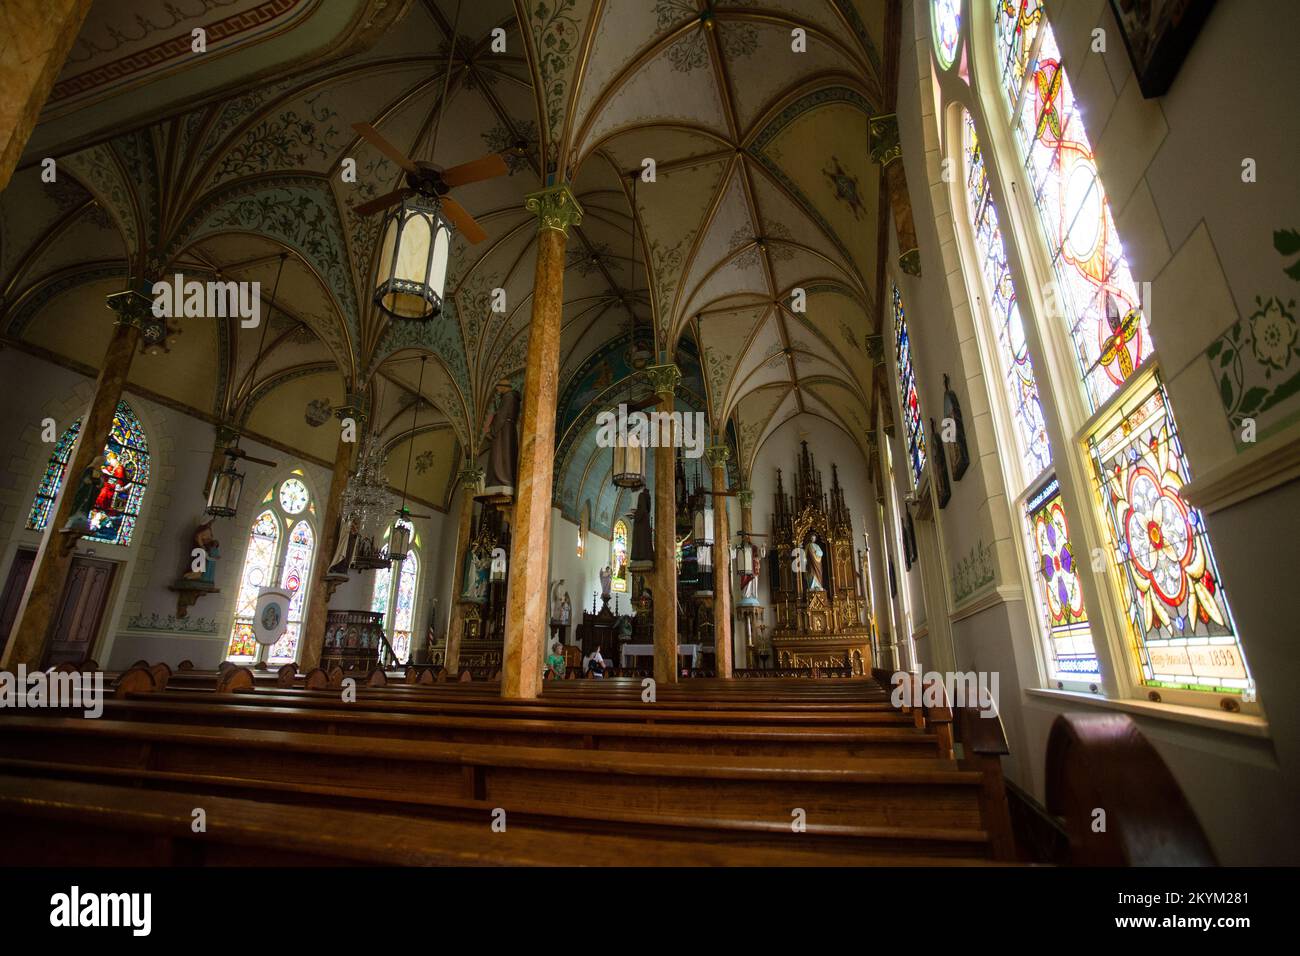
367, 503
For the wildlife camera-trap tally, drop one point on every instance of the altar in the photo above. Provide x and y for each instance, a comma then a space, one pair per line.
821, 611
633, 651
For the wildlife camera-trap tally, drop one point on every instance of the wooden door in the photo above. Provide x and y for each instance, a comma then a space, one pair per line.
19, 572
76, 624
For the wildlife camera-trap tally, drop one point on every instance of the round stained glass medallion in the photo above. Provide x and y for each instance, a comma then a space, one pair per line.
946, 17
293, 496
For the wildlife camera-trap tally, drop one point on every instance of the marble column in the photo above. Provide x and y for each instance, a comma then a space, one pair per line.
53, 560
471, 481
664, 379
722, 642
37, 37
318, 596
530, 543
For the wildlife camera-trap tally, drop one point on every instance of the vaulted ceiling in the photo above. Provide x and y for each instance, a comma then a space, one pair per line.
762, 186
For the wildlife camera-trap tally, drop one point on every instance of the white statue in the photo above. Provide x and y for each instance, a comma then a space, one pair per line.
557, 599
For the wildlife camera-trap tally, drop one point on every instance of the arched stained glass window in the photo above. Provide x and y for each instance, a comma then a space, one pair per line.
294, 579
946, 17
1181, 626
398, 618
280, 550
123, 476
1095, 286
907, 397
618, 556
1070, 651
1013, 352
258, 572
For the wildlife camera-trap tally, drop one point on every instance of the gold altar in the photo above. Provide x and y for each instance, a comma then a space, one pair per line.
818, 594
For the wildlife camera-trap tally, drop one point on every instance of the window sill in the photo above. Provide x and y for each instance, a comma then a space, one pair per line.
1245, 725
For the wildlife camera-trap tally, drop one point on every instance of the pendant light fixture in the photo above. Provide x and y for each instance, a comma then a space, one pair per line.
399, 537
415, 244
228, 481
629, 453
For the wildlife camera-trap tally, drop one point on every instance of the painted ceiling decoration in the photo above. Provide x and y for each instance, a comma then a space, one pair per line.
763, 185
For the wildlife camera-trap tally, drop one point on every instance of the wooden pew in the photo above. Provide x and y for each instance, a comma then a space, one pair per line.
886, 802
81, 824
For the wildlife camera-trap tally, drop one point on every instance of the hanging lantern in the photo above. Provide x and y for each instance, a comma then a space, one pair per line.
223, 496
399, 538
629, 463
704, 524
413, 259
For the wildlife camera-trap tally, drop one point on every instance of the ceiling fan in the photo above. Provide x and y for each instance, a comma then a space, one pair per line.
234, 451
433, 183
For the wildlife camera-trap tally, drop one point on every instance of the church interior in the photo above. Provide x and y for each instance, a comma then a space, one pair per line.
699, 432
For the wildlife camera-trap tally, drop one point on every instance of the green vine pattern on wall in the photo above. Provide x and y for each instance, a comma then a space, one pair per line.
974, 573
1256, 362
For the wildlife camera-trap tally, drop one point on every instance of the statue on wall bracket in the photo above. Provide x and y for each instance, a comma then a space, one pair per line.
943, 488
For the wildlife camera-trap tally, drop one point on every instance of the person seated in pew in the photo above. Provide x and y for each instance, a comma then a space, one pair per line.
554, 662
596, 663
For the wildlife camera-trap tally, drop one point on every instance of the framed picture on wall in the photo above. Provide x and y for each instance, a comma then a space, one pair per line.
1158, 35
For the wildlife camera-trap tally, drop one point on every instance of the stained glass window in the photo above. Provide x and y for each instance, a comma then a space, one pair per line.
946, 17
294, 579
1017, 366
271, 559
907, 396
397, 620
293, 496
1069, 648
1095, 288
1071, 654
1178, 615
258, 572
121, 481
618, 556
1182, 629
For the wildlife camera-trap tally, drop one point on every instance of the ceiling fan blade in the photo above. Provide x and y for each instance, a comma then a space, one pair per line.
380, 202
463, 221
369, 133
489, 167
237, 452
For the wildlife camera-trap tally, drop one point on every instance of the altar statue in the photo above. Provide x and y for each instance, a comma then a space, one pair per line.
503, 442
476, 578
813, 552
749, 576
643, 548
566, 610
557, 599
203, 538
606, 578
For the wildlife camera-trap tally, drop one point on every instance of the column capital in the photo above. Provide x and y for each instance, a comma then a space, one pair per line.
876, 349
355, 405
556, 208
910, 262
718, 455
134, 307
884, 146
746, 497
470, 478
663, 378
